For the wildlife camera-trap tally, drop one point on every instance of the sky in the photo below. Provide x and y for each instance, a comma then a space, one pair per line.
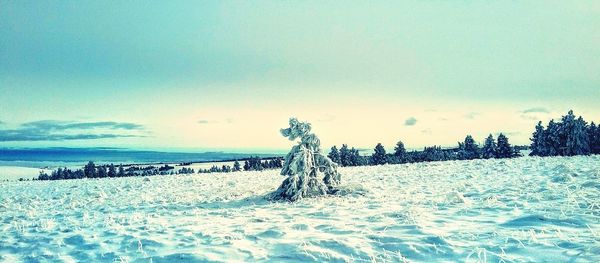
227, 75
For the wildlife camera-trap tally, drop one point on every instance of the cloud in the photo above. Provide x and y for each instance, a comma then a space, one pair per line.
326, 118
535, 110
227, 120
472, 115
533, 113
61, 125
52, 130
410, 121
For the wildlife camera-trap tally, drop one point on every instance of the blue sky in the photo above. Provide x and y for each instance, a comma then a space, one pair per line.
228, 74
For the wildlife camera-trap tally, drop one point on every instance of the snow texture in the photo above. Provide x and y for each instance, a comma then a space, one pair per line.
310, 173
526, 209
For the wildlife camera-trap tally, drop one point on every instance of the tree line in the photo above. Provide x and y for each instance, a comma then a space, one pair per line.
466, 150
569, 136
91, 170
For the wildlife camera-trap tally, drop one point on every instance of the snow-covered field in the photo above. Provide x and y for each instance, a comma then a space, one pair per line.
526, 209
13, 173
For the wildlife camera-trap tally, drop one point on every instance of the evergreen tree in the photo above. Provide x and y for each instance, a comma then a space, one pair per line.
334, 155
278, 162
226, 168
90, 170
504, 150
356, 159
594, 136
578, 140
538, 141
552, 139
379, 157
43, 176
566, 133
468, 150
236, 166
489, 148
121, 172
79, 174
112, 171
102, 172
345, 158
56, 175
432, 154
400, 152
596, 144
255, 163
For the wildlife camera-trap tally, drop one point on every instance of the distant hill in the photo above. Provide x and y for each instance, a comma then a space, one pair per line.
42, 157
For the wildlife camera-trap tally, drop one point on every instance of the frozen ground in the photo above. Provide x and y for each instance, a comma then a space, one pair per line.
526, 209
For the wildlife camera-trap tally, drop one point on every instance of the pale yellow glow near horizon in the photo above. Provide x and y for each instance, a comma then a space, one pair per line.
361, 127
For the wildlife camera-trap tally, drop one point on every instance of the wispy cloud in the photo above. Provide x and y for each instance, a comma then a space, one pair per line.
472, 115
204, 121
533, 113
535, 110
61, 125
410, 121
52, 130
326, 118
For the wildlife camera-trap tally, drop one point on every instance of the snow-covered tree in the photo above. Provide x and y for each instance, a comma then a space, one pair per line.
90, 170
102, 171
121, 172
236, 166
334, 155
379, 156
489, 148
399, 155
552, 142
594, 136
356, 159
469, 149
565, 132
112, 170
503, 148
309, 172
345, 158
538, 141
433, 153
578, 141
596, 143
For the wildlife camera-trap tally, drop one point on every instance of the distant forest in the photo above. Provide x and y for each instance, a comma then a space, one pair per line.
91, 170
570, 136
466, 150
